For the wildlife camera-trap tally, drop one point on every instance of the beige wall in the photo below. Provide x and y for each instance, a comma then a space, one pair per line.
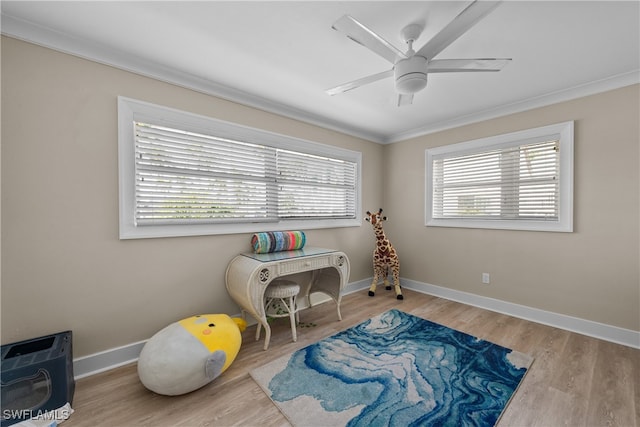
592, 273
63, 266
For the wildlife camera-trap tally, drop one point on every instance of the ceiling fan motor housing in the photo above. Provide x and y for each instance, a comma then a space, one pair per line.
411, 74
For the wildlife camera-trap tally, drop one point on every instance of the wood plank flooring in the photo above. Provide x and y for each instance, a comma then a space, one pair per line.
574, 380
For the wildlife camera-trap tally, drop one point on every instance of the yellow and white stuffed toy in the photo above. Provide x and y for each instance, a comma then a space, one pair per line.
190, 353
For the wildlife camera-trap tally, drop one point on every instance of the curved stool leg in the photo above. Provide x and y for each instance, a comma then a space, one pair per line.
292, 315
280, 298
267, 338
260, 324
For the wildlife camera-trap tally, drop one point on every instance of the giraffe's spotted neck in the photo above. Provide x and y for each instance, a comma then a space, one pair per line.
379, 231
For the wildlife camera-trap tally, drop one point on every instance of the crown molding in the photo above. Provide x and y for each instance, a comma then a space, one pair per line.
45, 37
591, 88
29, 32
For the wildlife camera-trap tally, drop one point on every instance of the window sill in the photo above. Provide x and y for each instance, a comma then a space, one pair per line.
130, 231
541, 225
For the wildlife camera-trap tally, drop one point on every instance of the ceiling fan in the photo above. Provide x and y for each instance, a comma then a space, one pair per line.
410, 69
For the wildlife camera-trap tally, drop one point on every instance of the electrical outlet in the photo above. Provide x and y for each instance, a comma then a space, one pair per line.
486, 278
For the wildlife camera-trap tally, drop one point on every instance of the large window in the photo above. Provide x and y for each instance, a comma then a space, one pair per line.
522, 180
183, 174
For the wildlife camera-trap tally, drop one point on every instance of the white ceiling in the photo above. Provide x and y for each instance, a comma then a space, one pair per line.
281, 56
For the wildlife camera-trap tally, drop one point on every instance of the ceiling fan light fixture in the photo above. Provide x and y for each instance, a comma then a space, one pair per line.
411, 74
411, 83
410, 68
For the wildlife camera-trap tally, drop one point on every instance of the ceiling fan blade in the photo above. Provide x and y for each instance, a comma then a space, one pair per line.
367, 38
405, 99
359, 82
466, 65
460, 24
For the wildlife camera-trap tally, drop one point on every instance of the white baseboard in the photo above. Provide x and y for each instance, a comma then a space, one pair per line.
354, 287
120, 356
106, 360
590, 328
113, 358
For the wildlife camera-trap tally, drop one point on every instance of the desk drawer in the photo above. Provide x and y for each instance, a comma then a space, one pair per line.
295, 266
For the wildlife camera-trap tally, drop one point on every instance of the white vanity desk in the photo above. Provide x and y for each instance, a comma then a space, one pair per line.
249, 274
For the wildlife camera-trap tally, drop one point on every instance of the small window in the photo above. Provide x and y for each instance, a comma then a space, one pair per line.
182, 174
520, 181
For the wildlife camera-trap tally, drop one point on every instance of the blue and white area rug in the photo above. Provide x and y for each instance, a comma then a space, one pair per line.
395, 369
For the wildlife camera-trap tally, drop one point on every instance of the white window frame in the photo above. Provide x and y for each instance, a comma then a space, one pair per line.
564, 223
131, 110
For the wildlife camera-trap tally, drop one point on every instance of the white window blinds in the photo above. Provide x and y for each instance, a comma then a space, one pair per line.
312, 186
520, 181
188, 177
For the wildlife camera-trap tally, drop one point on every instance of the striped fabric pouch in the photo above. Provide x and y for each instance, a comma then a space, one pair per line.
277, 241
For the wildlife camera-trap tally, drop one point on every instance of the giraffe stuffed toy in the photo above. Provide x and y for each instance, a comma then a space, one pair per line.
384, 257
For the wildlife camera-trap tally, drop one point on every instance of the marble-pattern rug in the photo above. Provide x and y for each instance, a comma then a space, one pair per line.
395, 369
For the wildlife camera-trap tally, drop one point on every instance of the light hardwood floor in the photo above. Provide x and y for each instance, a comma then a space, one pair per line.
574, 380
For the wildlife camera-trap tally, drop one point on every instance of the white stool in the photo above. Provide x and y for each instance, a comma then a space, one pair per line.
280, 301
